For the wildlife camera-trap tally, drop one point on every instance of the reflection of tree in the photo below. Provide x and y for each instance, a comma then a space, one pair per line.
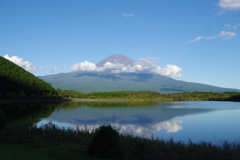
30, 113
120, 104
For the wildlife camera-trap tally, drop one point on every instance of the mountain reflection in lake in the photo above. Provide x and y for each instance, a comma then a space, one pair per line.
209, 121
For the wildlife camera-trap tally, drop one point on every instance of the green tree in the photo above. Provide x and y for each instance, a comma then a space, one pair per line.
22, 95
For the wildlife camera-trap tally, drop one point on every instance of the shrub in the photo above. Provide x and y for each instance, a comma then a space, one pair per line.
3, 120
22, 95
105, 140
33, 97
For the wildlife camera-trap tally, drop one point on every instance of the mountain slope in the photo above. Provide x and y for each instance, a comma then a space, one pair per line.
116, 59
15, 79
105, 81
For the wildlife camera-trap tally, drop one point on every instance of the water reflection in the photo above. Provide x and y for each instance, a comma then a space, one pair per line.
141, 130
31, 113
208, 121
142, 119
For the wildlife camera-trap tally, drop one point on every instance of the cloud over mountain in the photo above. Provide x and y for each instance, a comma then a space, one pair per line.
19, 61
145, 65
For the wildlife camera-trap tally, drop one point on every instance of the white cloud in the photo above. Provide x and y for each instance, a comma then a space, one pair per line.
145, 65
211, 37
56, 68
229, 4
20, 62
40, 67
227, 25
235, 27
51, 71
223, 34
226, 35
196, 39
84, 66
221, 12
128, 15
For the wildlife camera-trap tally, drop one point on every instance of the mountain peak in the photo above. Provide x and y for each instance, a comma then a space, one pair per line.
116, 59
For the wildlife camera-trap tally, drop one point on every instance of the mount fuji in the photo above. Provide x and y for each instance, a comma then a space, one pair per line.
118, 73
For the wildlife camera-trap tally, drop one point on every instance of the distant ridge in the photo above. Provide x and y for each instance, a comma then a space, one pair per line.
116, 59
105, 81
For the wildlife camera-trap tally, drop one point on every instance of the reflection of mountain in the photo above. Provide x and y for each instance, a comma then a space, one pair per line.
137, 120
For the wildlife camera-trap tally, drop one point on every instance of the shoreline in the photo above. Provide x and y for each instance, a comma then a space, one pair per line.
99, 100
63, 100
39, 100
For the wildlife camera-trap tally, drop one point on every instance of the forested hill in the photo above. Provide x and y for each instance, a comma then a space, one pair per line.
15, 80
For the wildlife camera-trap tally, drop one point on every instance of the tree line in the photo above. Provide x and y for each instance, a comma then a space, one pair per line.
18, 83
153, 95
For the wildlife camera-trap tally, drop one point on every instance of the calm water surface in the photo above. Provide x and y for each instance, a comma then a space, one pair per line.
208, 121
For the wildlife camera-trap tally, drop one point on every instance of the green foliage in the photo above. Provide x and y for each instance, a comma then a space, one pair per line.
128, 147
28, 152
3, 120
16, 80
105, 140
154, 96
32, 97
48, 134
109, 95
199, 96
22, 95
70, 93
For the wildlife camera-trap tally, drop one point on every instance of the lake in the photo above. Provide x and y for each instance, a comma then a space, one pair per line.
211, 121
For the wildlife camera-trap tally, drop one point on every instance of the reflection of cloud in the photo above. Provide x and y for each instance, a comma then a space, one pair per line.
170, 126
19, 61
137, 129
223, 34
145, 65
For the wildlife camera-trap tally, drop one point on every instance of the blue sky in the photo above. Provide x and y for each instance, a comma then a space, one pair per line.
200, 38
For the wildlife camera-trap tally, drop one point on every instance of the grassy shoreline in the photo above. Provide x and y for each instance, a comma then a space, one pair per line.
49, 140
98, 100
70, 95
27, 151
